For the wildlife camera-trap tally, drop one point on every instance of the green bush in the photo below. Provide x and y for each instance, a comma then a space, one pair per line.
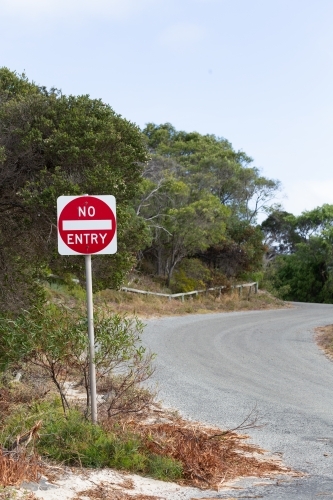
253, 276
191, 275
55, 340
75, 441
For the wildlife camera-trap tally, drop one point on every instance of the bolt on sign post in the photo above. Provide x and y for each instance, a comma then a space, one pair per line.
87, 226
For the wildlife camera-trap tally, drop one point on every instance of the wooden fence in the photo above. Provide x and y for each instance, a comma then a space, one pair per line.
251, 287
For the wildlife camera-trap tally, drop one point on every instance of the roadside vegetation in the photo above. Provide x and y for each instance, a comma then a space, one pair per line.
44, 396
147, 306
187, 204
36, 435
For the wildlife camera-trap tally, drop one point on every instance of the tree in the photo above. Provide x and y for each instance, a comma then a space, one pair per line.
284, 230
240, 253
280, 233
52, 145
182, 224
210, 164
191, 229
187, 168
306, 275
304, 269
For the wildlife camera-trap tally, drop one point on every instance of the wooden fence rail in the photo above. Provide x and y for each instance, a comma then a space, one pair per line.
182, 295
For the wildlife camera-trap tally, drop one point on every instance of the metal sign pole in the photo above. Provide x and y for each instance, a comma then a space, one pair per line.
91, 335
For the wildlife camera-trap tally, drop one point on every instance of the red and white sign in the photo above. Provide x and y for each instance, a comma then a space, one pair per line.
87, 225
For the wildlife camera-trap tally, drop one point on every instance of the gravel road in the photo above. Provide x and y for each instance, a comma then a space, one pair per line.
216, 368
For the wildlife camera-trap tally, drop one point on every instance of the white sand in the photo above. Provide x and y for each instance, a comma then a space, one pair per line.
73, 482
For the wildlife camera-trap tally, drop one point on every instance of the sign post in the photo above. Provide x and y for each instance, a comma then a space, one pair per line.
91, 336
87, 226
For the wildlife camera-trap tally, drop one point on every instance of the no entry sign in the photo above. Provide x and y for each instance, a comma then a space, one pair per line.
87, 225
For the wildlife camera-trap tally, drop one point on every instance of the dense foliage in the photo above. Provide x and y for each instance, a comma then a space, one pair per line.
201, 199
52, 145
301, 254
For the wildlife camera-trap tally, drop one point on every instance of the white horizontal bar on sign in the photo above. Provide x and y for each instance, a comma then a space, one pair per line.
86, 225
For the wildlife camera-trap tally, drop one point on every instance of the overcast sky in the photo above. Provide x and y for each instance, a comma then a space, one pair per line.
257, 72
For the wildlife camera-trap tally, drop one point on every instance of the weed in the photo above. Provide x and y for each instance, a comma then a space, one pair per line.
69, 290
23, 417
74, 441
164, 468
126, 454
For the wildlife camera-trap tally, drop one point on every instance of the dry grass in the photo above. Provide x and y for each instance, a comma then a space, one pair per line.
150, 306
145, 282
18, 466
324, 339
209, 457
146, 306
17, 463
33, 387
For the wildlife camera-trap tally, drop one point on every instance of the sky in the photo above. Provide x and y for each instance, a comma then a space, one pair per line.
256, 72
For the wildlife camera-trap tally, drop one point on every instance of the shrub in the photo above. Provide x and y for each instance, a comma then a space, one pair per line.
74, 441
55, 339
191, 275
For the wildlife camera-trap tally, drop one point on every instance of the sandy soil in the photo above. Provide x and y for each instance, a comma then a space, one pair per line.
80, 484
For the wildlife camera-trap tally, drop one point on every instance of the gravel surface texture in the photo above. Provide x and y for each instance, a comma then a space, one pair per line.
216, 368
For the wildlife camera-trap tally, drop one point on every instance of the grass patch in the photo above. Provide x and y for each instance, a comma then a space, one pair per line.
72, 440
165, 468
151, 306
